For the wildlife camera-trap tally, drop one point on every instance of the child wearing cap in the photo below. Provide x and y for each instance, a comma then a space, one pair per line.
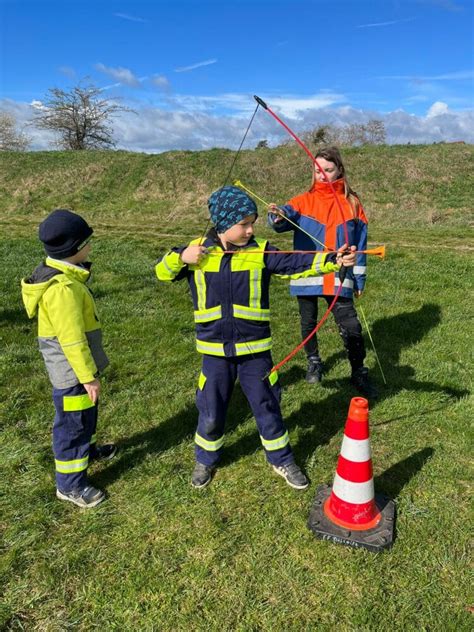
70, 340
229, 274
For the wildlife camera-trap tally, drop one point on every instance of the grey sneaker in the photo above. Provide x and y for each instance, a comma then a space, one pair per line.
87, 498
314, 373
202, 475
292, 475
102, 452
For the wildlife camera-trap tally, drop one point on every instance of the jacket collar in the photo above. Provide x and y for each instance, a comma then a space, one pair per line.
212, 239
80, 273
324, 188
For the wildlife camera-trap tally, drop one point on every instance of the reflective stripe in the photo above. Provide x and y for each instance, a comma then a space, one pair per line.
347, 283
356, 493
359, 269
308, 281
212, 348
243, 348
211, 446
200, 282
355, 449
93, 438
241, 311
67, 467
205, 315
318, 261
255, 286
168, 269
273, 377
73, 403
202, 381
275, 444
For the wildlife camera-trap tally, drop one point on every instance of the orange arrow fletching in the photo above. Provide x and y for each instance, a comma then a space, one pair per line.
379, 251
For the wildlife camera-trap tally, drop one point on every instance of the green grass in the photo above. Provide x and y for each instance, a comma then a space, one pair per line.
238, 555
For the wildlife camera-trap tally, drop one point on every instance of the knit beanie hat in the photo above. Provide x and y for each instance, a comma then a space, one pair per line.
63, 233
228, 206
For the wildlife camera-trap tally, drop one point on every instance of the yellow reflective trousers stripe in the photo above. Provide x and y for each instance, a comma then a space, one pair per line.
275, 444
68, 467
74, 403
211, 446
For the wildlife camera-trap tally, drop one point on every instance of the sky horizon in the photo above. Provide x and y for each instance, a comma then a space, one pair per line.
189, 69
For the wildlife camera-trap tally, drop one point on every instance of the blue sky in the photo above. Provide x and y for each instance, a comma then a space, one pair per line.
189, 68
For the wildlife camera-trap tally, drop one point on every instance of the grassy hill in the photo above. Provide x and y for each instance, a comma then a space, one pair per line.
400, 186
157, 555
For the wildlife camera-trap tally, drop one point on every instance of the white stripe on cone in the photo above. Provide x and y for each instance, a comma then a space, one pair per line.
356, 493
357, 450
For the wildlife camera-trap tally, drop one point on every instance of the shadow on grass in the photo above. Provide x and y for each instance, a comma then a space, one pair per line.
136, 448
319, 422
13, 316
393, 480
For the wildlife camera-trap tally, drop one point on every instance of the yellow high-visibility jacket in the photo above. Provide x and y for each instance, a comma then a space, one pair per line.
69, 331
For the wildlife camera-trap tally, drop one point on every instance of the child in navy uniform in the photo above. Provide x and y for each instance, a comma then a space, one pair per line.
229, 276
70, 341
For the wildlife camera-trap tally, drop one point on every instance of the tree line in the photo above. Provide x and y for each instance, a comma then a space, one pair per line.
81, 118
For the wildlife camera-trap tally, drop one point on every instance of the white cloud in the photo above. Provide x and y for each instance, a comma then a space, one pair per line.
208, 62
122, 75
68, 71
161, 82
197, 123
390, 23
131, 18
437, 109
460, 75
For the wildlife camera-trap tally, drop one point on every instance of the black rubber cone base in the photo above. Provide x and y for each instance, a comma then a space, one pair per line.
377, 539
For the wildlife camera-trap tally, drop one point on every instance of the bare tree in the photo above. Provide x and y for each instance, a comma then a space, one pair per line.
375, 132
80, 116
11, 139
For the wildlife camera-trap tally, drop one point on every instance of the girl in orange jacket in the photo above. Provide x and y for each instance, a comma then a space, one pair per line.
318, 214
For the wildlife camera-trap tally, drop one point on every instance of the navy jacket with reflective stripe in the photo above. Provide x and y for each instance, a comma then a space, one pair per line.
230, 292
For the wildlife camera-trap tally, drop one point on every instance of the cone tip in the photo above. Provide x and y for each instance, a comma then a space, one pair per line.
359, 409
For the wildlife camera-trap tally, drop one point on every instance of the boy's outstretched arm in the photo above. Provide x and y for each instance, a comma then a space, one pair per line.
300, 266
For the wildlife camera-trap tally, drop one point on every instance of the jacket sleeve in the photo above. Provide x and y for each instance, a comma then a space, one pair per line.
171, 267
64, 307
299, 266
360, 268
283, 226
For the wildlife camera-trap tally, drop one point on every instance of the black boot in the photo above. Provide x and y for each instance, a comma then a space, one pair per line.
360, 379
314, 374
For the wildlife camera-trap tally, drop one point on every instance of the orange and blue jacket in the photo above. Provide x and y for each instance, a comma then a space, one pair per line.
230, 291
317, 212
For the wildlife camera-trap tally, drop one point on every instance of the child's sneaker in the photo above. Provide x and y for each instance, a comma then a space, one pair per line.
202, 475
103, 452
87, 498
292, 475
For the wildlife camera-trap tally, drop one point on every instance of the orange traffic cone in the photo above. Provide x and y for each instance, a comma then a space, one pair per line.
350, 512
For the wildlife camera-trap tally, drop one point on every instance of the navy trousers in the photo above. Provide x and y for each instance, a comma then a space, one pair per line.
216, 384
74, 429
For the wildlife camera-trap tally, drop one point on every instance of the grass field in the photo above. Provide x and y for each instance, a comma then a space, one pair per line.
158, 555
